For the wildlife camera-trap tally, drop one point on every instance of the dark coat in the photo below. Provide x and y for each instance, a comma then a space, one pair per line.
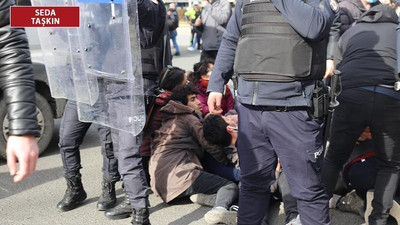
350, 11
178, 147
16, 78
367, 51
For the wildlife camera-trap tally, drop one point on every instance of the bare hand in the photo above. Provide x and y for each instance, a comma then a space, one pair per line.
329, 68
24, 148
197, 23
279, 166
214, 103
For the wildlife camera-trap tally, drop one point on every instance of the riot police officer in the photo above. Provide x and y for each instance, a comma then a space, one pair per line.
277, 51
156, 54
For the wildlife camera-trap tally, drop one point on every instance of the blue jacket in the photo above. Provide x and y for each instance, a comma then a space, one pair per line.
312, 21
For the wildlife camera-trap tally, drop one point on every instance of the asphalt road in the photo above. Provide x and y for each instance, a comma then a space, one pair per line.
33, 201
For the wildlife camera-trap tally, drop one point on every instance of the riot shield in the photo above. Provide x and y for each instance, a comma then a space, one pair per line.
62, 57
98, 64
109, 41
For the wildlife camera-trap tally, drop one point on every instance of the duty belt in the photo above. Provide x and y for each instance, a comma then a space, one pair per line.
277, 108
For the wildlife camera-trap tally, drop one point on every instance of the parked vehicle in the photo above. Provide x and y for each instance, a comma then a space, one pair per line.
48, 108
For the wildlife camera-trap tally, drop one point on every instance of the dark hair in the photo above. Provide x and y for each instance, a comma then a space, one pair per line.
174, 76
199, 69
180, 93
214, 129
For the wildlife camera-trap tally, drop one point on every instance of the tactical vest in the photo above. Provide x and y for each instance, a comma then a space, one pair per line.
269, 49
152, 65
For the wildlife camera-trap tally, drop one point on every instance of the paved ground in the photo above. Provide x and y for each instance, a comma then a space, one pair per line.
34, 200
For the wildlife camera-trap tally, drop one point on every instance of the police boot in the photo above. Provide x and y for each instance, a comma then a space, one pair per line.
120, 211
74, 194
140, 217
108, 197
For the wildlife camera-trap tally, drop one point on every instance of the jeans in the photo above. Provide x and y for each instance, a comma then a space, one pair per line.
173, 35
229, 171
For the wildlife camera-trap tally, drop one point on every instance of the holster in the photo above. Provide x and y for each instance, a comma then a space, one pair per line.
320, 100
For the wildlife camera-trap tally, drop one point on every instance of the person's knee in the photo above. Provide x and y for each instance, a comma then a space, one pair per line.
232, 187
308, 194
67, 144
255, 182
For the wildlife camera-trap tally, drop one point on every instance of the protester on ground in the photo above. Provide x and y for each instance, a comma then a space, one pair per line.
222, 131
274, 100
172, 77
178, 147
200, 77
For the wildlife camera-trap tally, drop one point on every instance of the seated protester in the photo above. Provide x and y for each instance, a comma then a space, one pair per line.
200, 78
222, 130
175, 166
172, 77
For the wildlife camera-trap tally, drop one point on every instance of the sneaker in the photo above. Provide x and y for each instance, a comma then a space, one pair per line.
234, 208
334, 201
221, 215
351, 203
190, 48
203, 199
295, 221
177, 54
395, 211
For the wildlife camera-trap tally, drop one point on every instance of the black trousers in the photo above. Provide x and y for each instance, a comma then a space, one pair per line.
360, 108
72, 132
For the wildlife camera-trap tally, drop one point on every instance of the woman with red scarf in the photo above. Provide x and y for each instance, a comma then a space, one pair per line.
200, 77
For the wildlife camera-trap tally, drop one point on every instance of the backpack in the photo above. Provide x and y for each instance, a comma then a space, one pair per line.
173, 21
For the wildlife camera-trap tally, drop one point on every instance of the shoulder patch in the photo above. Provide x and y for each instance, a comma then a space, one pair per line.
334, 5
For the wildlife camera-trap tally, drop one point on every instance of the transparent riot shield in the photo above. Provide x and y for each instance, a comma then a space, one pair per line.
62, 57
110, 50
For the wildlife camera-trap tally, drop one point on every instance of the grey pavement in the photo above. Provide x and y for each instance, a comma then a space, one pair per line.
33, 201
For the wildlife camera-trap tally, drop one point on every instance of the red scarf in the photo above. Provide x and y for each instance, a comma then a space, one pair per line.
203, 83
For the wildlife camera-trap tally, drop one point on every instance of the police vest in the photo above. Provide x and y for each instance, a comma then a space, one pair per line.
154, 56
269, 49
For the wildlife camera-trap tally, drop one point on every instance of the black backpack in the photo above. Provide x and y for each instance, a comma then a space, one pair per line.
173, 21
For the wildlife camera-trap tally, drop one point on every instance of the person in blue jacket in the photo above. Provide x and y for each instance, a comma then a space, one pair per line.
276, 52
